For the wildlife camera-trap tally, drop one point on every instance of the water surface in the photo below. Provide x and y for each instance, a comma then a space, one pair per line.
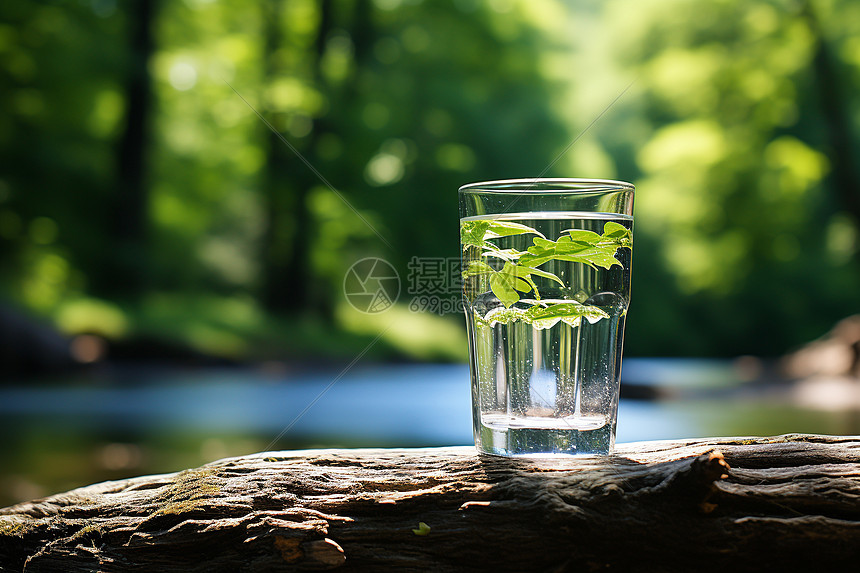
59, 437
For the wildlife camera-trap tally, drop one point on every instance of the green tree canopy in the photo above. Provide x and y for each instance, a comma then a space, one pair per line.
734, 119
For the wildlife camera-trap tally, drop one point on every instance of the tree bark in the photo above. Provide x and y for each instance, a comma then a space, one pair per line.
790, 502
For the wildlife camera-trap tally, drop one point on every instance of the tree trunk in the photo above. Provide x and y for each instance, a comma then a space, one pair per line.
785, 502
837, 122
125, 271
287, 273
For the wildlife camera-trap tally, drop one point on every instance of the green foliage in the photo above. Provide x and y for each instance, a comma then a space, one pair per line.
740, 133
739, 171
580, 246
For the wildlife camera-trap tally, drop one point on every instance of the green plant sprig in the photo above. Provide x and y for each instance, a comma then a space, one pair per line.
515, 276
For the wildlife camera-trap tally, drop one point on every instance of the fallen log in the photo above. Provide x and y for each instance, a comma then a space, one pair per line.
789, 502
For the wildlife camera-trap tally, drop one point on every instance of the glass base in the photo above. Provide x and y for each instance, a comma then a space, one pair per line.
545, 437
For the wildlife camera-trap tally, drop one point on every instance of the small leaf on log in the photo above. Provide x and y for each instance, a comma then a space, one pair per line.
423, 529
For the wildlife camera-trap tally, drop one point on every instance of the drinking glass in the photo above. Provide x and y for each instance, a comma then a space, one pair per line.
546, 286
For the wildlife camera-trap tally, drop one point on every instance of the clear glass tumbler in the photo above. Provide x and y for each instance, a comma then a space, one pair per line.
546, 285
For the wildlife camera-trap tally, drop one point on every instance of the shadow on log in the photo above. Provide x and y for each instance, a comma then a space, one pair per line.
784, 503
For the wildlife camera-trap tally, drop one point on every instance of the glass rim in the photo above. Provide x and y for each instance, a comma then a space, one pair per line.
558, 185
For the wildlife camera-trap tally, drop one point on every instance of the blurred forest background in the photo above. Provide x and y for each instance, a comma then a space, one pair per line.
145, 205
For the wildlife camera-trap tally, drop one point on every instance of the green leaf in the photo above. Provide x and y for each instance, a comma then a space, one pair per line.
505, 284
531, 284
504, 316
524, 272
507, 229
503, 290
582, 236
545, 314
423, 529
504, 254
562, 250
513, 274
472, 233
476, 268
475, 233
567, 310
616, 231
